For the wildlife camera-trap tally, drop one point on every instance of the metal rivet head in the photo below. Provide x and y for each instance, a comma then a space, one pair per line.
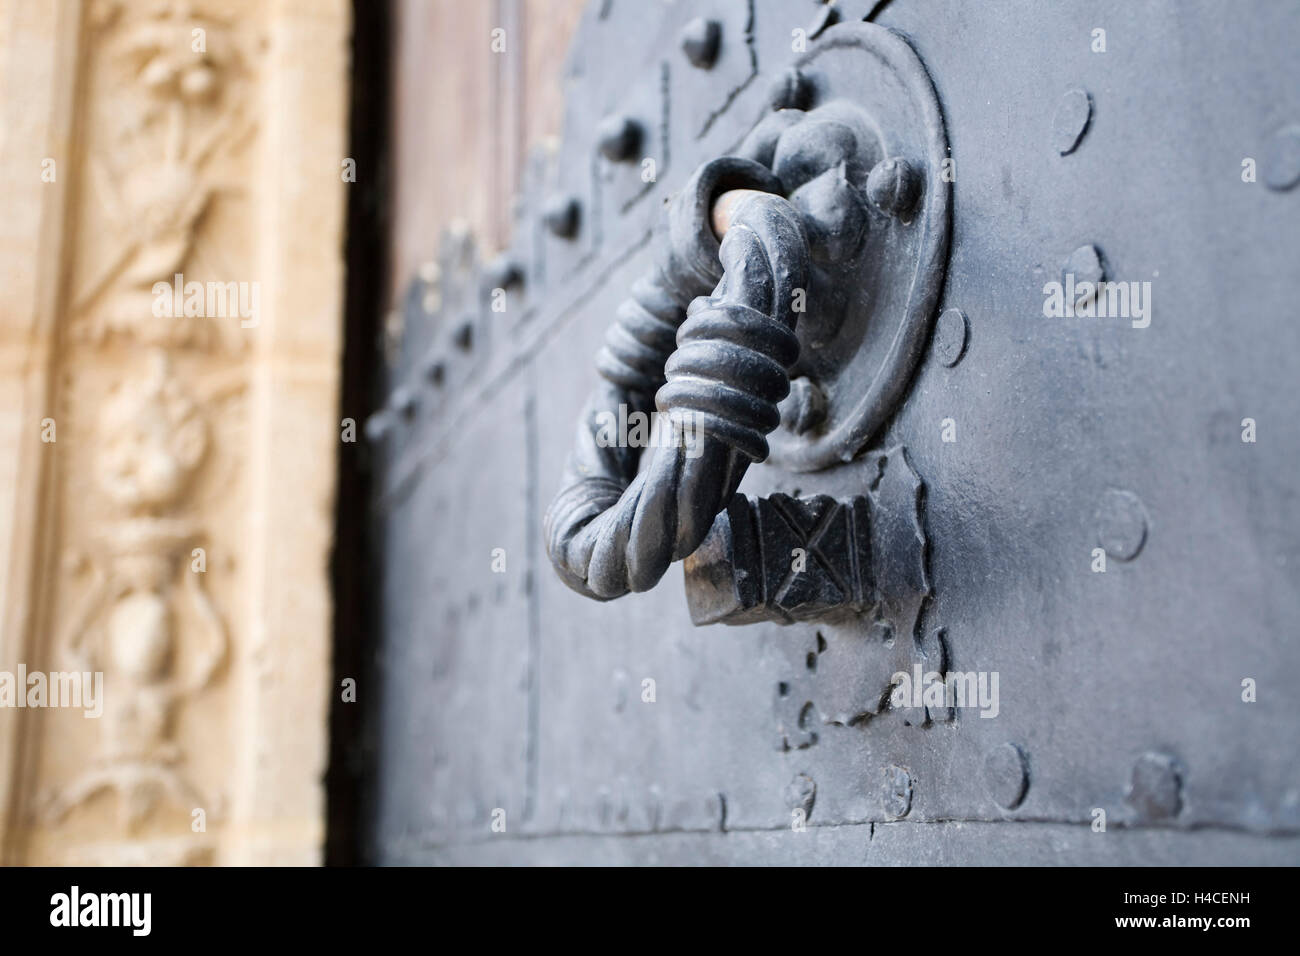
1156, 788
561, 216
618, 137
701, 39
403, 401
1085, 264
1070, 122
1006, 775
378, 426
502, 273
790, 91
1282, 159
435, 372
464, 336
950, 335
1121, 524
896, 794
893, 187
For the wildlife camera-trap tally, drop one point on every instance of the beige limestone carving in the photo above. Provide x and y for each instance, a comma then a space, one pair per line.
174, 535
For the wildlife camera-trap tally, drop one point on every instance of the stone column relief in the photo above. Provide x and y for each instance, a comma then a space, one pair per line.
169, 424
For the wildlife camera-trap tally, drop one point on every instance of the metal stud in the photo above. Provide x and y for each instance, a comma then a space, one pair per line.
701, 39
561, 216
618, 138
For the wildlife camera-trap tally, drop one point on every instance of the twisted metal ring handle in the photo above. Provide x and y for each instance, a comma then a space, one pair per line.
715, 365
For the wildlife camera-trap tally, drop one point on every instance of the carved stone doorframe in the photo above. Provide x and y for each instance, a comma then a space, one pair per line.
169, 497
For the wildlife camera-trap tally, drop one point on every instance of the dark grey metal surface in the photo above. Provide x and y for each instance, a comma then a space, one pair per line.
1039, 448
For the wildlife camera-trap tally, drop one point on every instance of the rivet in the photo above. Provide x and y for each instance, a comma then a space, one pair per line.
801, 794
561, 216
618, 137
1073, 113
1086, 265
403, 401
1006, 775
377, 427
464, 336
790, 91
434, 371
1282, 159
700, 41
1156, 788
896, 795
805, 409
1121, 524
503, 272
893, 187
950, 335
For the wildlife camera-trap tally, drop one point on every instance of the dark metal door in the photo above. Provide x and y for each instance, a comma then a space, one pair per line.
1040, 473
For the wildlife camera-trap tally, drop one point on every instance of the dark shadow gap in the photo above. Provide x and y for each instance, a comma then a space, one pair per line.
366, 251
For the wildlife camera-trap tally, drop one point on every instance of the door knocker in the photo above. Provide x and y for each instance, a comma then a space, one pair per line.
793, 291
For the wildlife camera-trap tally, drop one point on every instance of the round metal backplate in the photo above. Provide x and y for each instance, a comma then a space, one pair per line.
885, 298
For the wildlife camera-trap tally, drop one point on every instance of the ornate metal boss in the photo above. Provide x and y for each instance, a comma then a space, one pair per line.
793, 292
